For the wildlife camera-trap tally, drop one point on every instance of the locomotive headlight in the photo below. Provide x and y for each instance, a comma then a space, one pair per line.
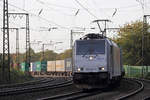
79, 69
91, 57
102, 68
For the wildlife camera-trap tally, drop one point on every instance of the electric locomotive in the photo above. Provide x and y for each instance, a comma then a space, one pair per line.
96, 62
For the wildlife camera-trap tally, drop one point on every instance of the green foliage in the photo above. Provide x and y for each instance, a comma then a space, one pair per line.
148, 76
18, 76
49, 55
66, 54
130, 40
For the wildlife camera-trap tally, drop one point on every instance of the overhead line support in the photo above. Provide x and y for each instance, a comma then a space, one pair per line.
6, 51
28, 56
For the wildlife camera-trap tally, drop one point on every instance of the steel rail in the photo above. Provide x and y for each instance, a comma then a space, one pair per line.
35, 88
60, 96
147, 98
23, 84
71, 96
134, 92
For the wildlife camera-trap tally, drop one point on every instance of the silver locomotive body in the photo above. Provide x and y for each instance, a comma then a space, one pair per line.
96, 62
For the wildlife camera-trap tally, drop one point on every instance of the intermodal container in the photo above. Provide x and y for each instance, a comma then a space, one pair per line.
38, 66
51, 66
33, 67
60, 65
44, 66
68, 65
24, 67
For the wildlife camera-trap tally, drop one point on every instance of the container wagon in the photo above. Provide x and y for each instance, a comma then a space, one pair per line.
59, 68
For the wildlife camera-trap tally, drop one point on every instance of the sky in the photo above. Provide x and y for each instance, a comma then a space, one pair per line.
65, 15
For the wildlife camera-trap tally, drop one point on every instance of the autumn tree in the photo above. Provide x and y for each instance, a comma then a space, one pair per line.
65, 54
130, 39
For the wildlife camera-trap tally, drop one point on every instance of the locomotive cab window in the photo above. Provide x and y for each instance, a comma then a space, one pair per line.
90, 47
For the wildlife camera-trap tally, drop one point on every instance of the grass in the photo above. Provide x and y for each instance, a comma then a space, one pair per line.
17, 76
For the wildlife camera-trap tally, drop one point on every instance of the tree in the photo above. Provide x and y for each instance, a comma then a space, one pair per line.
66, 54
130, 39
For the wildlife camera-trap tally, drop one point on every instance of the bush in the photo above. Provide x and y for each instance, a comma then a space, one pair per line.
148, 76
17, 76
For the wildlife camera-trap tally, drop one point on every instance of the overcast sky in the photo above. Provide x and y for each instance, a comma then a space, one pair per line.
66, 14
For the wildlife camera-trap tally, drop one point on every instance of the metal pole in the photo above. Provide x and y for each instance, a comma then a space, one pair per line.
17, 46
6, 50
28, 56
105, 29
55, 60
144, 20
71, 47
43, 51
145, 38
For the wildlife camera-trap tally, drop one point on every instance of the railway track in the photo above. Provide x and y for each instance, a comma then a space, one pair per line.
24, 84
134, 92
127, 89
82, 95
148, 98
34, 87
72, 96
66, 91
144, 94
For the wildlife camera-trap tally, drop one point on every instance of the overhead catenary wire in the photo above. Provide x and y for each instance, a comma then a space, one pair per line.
89, 13
59, 6
87, 10
40, 17
57, 10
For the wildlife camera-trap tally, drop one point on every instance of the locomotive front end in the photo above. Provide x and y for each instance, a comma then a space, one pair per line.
90, 64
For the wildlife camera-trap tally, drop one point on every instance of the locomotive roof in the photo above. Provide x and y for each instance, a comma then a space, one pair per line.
106, 39
93, 36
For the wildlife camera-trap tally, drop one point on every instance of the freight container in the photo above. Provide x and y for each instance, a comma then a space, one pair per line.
24, 67
51, 66
44, 66
60, 65
30, 69
68, 64
38, 66
33, 67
